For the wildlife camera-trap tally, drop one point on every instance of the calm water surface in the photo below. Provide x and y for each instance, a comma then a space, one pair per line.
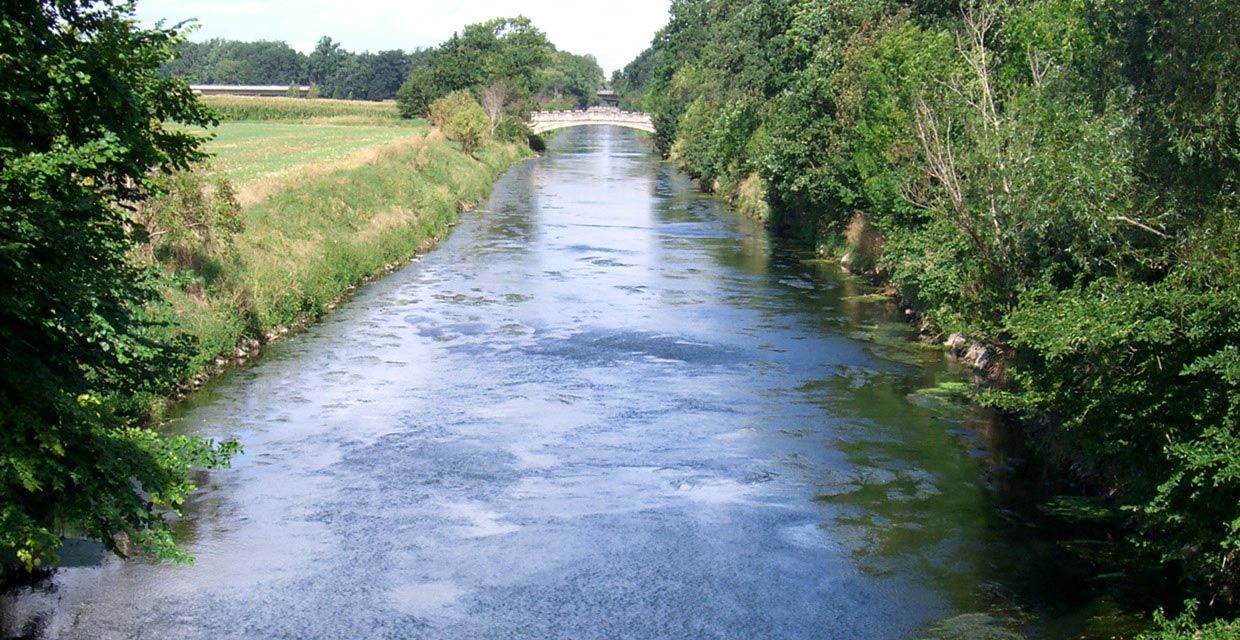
605, 407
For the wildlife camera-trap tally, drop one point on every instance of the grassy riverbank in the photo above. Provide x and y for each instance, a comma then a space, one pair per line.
300, 210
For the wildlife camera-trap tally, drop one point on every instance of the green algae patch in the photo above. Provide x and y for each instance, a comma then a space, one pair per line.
970, 626
867, 297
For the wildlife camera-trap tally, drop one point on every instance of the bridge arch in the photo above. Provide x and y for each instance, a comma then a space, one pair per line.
543, 121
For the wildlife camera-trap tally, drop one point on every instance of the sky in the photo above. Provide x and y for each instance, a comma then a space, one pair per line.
614, 32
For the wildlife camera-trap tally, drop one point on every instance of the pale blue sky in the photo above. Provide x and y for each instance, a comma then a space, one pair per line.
614, 32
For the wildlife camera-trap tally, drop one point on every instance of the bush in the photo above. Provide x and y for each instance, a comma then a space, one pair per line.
190, 222
511, 129
1186, 627
461, 118
1146, 381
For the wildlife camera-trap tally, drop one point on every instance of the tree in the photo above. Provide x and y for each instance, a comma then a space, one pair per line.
192, 62
494, 98
84, 128
262, 62
415, 96
219, 61
373, 76
507, 49
569, 80
325, 64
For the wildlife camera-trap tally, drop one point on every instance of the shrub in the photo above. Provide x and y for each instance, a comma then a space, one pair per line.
1186, 627
461, 118
190, 222
511, 129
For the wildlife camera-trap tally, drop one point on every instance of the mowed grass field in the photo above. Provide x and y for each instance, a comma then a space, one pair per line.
264, 144
260, 157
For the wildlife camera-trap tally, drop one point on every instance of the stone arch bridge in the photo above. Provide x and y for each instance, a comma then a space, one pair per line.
543, 121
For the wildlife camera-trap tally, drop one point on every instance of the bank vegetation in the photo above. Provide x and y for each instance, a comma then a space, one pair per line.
1055, 178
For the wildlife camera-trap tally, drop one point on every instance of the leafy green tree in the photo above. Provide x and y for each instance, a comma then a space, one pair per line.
375, 76
325, 65
219, 61
569, 81
84, 127
261, 62
507, 50
632, 82
416, 94
192, 62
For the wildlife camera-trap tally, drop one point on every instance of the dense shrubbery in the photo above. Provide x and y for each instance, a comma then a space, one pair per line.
1056, 177
190, 224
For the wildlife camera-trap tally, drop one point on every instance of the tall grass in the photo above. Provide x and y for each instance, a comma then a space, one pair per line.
302, 110
308, 243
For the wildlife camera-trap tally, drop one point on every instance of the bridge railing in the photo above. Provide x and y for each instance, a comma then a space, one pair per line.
545, 120
586, 115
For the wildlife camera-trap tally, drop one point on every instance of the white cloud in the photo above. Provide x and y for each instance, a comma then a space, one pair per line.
614, 32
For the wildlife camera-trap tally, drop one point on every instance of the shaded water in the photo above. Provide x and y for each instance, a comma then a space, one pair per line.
605, 407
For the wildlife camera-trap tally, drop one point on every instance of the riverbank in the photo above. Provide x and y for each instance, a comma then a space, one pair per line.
304, 235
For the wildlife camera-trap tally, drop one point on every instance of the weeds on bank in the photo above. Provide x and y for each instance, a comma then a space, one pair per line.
301, 235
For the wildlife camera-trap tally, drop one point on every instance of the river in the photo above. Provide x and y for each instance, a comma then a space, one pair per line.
604, 407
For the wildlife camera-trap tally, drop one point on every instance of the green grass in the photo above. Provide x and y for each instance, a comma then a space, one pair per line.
256, 156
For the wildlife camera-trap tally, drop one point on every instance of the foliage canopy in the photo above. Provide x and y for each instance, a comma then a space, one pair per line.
86, 124
507, 52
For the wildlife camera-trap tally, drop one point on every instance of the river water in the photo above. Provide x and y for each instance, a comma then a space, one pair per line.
604, 407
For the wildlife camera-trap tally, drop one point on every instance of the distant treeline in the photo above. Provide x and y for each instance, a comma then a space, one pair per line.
1058, 178
335, 72
479, 54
